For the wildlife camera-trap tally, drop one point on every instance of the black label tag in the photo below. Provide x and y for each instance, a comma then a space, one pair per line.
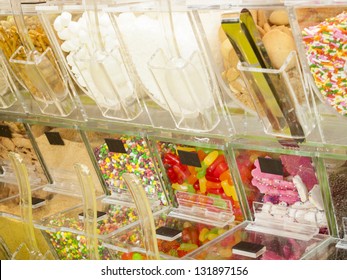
2, 171
167, 233
37, 202
100, 215
249, 249
5, 131
54, 138
189, 158
270, 166
115, 145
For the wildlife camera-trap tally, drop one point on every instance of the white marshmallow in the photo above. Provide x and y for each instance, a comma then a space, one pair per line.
57, 25
69, 46
84, 37
104, 20
70, 60
65, 34
65, 18
74, 27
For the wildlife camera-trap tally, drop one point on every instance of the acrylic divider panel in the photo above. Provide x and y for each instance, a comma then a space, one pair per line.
128, 244
61, 148
7, 86
14, 138
28, 51
171, 65
116, 154
225, 60
273, 247
286, 180
92, 54
200, 175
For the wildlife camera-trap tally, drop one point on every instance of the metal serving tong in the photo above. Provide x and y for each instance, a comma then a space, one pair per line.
272, 94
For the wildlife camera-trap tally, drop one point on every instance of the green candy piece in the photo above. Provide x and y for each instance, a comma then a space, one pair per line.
188, 246
190, 188
207, 150
201, 173
137, 256
214, 230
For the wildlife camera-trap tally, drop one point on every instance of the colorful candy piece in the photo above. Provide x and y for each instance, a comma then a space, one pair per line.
210, 158
202, 184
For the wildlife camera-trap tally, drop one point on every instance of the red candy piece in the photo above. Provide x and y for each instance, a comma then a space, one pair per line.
212, 178
171, 159
223, 166
172, 175
181, 171
213, 166
217, 191
127, 256
196, 185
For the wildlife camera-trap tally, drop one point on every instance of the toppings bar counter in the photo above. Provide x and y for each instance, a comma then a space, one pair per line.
162, 129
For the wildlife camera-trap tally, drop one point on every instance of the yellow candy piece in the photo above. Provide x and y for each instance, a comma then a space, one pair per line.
210, 158
229, 190
179, 187
212, 236
203, 234
202, 184
186, 149
225, 252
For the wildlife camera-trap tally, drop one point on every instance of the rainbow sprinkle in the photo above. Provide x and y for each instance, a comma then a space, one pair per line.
326, 49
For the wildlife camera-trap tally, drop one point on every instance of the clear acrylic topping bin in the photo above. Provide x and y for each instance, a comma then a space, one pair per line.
283, 180
89, 48
28, 51
168, 54
258, 245
14, 138
61, 148
277, 91
7, 86
322, 54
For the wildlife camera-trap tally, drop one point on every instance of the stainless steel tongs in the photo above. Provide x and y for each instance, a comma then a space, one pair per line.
272, 94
